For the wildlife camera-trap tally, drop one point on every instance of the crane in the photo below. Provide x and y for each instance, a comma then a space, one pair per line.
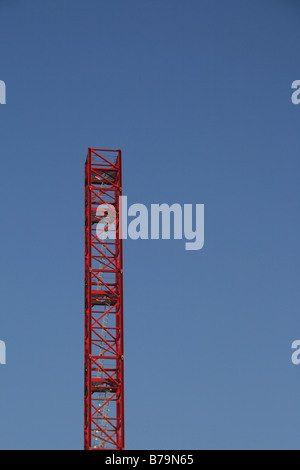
104, 318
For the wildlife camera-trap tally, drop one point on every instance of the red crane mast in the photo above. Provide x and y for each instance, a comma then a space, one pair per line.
104, 344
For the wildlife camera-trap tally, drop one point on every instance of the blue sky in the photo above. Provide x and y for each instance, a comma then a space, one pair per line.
197, 93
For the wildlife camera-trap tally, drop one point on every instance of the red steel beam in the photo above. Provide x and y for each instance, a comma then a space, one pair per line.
104, 320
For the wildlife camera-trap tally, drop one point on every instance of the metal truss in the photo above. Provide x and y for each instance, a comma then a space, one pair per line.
104, 346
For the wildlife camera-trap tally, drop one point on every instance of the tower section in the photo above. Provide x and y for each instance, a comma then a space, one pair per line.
104, 344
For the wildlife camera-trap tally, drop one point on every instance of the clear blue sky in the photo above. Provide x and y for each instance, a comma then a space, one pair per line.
197, 93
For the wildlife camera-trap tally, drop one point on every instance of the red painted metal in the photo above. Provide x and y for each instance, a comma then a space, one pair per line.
104, 323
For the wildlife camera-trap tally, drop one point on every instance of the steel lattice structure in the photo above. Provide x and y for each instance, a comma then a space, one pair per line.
104, 345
